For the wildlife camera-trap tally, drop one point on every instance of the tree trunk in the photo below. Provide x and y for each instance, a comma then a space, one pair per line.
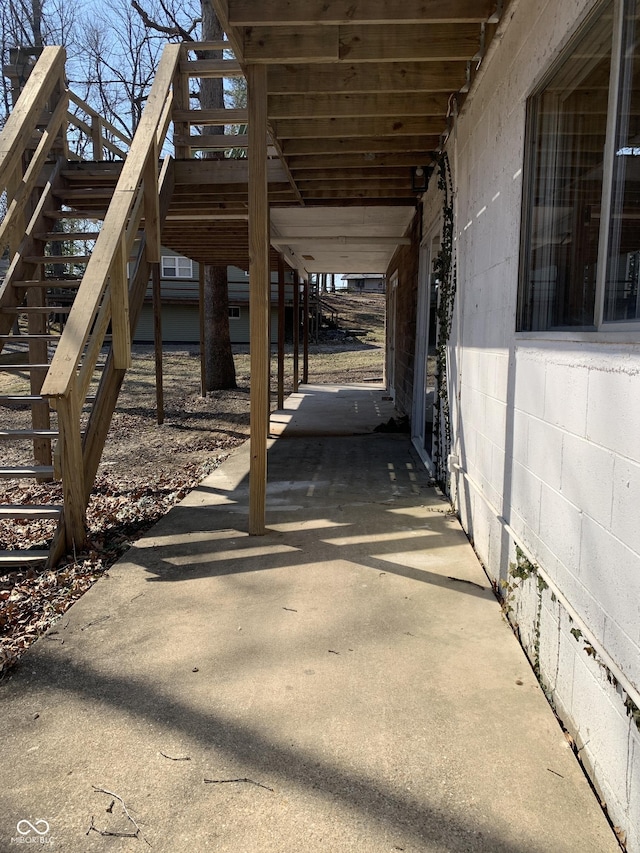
220, 372
219, 367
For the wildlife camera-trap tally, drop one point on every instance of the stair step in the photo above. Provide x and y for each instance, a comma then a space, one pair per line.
47, 283
25, 472
36, 309
93, 215
64, 237
65, 193
30, 511
18, 399
22, 558
25, 339
9, 434
18, 368
57, 259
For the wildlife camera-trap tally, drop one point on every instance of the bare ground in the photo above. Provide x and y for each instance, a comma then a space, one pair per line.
146, 468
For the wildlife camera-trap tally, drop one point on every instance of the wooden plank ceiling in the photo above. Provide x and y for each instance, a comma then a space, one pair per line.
359, 95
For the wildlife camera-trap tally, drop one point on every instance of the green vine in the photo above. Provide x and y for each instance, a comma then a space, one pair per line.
445, 270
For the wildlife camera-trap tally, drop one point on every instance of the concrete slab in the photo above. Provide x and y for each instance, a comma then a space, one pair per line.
351, 670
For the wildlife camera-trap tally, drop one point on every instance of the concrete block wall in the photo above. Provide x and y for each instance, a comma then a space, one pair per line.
546, 454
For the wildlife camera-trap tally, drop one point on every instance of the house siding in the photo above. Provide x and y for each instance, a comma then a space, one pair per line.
546, 457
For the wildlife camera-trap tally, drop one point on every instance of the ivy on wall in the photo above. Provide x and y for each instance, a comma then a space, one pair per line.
445, 271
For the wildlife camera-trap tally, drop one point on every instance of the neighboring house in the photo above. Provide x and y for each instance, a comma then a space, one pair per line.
544, 359
357, 283
180, 304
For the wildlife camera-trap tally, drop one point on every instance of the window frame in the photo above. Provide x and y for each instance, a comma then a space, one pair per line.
601, 330
176, 263
234, 308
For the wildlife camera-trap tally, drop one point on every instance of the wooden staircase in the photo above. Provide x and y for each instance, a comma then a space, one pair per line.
82, 238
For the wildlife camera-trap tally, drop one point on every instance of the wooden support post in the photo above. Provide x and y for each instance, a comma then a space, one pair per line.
296, 330
203, 366
157, 340
72, 470
152, 207
281, 331
259, 295
305, 334
96, 138
120, 308
181, 102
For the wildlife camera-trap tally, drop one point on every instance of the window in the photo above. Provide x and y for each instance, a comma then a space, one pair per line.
580, 257
234, 312
175, 266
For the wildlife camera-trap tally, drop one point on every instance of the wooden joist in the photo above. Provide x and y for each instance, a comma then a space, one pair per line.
306, 13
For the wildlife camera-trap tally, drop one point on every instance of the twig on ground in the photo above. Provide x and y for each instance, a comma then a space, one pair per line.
250, 781
173, 758
136, 834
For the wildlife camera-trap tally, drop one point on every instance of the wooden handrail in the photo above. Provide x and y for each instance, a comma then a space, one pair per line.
18, 130
27, 184
62, 373
90, 111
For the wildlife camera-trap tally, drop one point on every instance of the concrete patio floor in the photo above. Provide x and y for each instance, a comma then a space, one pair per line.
351, 670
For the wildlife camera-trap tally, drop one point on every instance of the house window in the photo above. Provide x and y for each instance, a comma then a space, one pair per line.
234, 312
580, 256
175, 266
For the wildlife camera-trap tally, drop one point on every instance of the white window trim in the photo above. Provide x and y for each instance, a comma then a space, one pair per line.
175, 261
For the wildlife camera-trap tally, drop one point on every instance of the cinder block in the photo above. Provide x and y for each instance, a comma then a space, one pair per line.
526, 491
604, 730
613, 411
611, 573
565, 401
520, 438
633, 835
624, 650
560, 526
495, 420
530, 381
626, 503
587, 477
544, 452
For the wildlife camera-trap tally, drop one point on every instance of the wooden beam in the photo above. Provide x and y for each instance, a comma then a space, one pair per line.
201, 172
157, 340
296, 331
428, 77
213, 141
119, 295
208, 68
253, 13
380, 43
152, 207
347, 162
375, 104
305, 333
259, 296
212, 117
281, 330
321, 128
364, 145
73, 483
203, 362
338, 241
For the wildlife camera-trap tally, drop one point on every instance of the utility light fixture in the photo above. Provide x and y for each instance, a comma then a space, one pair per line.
420, 178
